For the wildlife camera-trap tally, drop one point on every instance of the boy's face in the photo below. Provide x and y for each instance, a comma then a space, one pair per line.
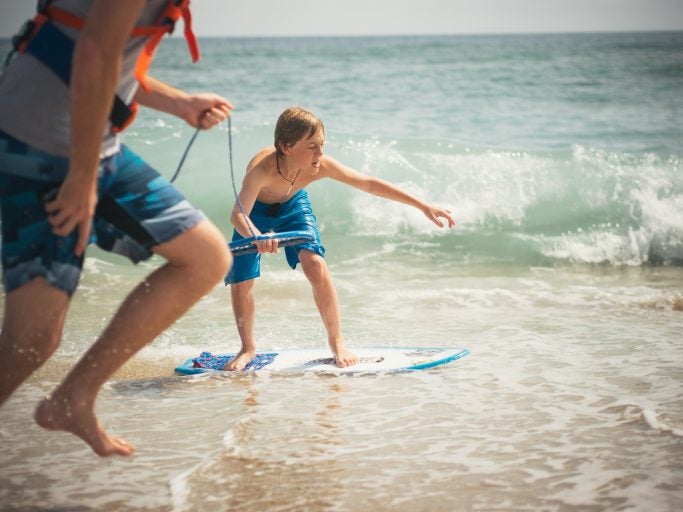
308, 152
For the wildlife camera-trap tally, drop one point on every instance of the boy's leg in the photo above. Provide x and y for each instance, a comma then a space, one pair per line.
244, 309
31, 331
325, 295
197, 260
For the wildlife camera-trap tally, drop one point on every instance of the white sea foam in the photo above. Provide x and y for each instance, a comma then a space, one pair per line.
180, 490
655, 422
588, 206
597, 247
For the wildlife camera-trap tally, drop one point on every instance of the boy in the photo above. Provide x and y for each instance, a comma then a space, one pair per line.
274, 198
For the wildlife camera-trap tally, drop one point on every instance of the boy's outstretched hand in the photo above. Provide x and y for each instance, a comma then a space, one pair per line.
435, 214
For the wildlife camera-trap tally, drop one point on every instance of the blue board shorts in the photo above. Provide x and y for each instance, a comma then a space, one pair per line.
295, 214
137, 209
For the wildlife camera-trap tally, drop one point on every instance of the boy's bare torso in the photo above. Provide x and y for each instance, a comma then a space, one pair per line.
277, 188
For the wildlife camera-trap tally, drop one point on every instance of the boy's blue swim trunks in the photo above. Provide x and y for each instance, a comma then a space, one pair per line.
137, 209
295, 214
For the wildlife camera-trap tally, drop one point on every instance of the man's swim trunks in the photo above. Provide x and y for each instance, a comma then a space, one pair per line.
295, 214
137, 210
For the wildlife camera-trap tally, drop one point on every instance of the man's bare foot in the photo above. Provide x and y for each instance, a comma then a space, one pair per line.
241, 360
78, 418
344, 358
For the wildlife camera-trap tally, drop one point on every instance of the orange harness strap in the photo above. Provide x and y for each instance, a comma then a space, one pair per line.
175, 9
165, 24
35, 37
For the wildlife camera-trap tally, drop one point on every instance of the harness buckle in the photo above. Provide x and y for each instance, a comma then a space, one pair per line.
43, 5
25, 33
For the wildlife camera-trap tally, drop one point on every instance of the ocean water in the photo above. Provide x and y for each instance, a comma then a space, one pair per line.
561, 159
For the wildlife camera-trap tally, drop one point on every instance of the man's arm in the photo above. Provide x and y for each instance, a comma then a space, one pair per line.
95, 73
203, 110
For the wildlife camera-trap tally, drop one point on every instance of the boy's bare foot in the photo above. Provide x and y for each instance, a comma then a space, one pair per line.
78, 417
241, 360
344, 358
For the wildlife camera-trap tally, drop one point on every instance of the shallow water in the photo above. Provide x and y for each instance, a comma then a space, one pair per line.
570, 400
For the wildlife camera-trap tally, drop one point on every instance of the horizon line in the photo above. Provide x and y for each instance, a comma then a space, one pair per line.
179, 35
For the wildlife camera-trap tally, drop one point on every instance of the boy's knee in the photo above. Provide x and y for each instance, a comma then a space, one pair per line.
314, 267
242, 288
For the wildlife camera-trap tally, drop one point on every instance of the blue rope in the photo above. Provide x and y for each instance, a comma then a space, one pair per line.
232, 176
182, 160
232, 170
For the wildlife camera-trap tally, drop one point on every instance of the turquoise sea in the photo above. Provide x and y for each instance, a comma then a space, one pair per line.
561, 159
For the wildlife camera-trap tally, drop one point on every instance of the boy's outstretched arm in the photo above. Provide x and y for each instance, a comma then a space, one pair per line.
376, 186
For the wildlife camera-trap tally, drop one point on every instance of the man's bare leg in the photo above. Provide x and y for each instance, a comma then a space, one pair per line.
244, 310
197, 260
31, 331
325, 295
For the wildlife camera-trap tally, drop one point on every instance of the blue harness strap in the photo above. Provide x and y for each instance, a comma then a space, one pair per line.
55, 49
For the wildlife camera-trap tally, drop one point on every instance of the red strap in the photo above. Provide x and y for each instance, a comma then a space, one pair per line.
171, 12
51, 13
38, 21
189, 35
64, 17
73, 21
145, 59
147, 31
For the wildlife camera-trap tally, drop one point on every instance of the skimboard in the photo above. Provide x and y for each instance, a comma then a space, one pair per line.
372, 360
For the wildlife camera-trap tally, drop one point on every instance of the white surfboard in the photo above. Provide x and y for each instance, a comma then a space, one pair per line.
372, 360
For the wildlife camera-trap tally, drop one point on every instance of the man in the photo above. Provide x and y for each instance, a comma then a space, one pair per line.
65, 175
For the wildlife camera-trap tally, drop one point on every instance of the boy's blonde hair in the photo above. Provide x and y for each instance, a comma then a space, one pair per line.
295, 124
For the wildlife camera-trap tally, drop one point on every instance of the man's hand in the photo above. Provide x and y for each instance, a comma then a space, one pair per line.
206, 110
73, 207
